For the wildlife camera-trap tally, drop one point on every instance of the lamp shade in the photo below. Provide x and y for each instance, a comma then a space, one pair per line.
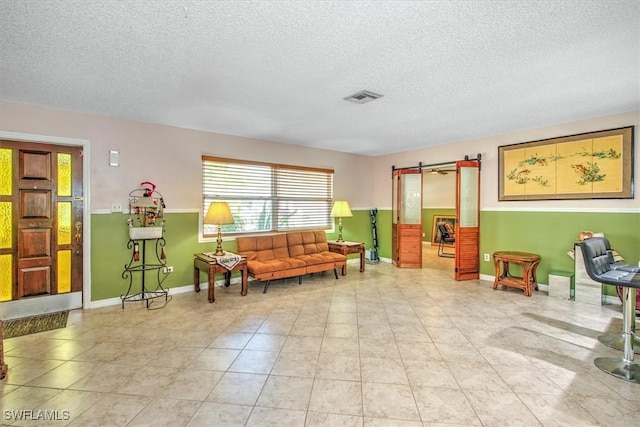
341, 209
218, 214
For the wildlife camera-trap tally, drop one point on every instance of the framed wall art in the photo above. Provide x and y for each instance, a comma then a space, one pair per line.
595, 165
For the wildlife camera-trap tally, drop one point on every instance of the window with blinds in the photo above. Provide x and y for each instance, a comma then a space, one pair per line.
265, 197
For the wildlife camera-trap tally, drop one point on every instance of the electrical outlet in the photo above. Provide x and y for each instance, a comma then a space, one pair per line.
423, 235
116, 207
486, 257
168, 269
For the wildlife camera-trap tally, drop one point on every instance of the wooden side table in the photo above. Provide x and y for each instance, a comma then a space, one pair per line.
346, 248
201, 262
528, 261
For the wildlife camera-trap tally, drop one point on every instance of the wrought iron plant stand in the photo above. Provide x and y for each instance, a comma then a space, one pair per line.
146, 224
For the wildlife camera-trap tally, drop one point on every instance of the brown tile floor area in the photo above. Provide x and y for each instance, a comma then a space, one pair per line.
387, 347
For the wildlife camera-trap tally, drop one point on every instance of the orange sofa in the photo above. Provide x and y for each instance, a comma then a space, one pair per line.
284, 255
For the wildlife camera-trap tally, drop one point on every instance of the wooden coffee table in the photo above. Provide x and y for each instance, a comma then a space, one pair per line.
527, 261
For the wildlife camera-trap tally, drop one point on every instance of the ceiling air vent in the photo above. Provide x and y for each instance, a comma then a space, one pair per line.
362, 97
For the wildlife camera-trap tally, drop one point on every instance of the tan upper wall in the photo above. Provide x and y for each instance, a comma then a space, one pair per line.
170, 157
488, 147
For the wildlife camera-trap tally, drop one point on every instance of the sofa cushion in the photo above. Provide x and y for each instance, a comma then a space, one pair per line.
263, 248
307, 242
322, 258
269, 266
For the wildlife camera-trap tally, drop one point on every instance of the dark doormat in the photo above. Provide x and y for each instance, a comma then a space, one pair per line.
31, 325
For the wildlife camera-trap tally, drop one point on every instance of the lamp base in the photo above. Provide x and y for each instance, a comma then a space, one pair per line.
340, 239
219, 251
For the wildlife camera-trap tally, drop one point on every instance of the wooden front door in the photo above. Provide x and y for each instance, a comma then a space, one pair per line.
406, 212
41, 211
467, 220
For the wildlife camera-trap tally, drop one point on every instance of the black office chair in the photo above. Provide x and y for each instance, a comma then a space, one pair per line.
446, 237
617, 341
598, 263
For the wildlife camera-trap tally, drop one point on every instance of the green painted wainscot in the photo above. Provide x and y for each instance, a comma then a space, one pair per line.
549, 234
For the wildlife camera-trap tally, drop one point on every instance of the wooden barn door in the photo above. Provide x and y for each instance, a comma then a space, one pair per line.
406, 212
467, 220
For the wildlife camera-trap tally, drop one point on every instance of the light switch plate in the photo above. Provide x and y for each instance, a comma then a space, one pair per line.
114, 157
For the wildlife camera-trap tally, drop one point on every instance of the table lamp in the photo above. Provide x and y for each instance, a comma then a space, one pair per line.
340, 209
218, 214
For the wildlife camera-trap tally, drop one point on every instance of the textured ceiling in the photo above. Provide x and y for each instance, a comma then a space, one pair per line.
448, 70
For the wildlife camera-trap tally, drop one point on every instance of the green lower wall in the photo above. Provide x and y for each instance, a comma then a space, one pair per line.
357, 228
109, 253
549, 234
552, 235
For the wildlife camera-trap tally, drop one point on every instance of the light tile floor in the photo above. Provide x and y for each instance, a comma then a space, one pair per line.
387, 347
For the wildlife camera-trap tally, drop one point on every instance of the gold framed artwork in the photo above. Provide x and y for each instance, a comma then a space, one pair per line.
436, 236
595, 165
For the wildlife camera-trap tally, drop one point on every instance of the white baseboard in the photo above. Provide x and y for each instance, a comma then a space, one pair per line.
608, 299
487, 278
172, 291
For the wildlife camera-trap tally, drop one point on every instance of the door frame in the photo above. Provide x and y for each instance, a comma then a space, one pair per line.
422, 167
86, 215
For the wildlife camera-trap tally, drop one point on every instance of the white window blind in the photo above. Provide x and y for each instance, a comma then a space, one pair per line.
266, 197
